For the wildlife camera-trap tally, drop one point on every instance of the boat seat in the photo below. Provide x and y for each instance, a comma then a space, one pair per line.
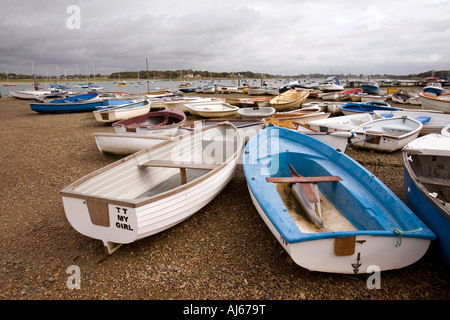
181, 165
304, 182
386, 134
435, 181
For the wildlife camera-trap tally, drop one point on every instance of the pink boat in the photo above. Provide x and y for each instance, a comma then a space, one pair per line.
164, 122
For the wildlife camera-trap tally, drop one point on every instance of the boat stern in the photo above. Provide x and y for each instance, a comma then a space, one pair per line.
98, 219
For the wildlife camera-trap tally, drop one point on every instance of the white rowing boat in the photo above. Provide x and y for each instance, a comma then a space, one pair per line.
153, 189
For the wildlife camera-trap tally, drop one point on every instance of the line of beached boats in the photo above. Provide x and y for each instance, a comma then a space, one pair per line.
328, 212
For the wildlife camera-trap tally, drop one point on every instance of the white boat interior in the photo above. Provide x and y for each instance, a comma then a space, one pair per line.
164, 167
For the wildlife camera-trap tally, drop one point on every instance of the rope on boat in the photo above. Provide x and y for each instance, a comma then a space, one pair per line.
400, 233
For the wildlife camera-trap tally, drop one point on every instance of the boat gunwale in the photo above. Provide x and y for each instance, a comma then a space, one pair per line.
427, 96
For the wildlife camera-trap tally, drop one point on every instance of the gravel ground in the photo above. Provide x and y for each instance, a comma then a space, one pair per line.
225, 251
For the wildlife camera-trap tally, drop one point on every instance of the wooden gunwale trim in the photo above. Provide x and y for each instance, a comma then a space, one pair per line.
134, 203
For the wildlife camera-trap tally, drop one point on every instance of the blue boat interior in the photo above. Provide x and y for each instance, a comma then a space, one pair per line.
360, 197
366, 107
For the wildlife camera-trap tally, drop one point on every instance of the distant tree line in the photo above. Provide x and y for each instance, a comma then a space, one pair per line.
186, 74
195, 74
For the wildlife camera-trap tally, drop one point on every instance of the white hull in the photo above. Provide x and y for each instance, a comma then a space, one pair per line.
126, 144
331, 96
330, 87
369, 98
342, 123
386, 135
32, 94
338, 140
440, 103
131, 199
319, 255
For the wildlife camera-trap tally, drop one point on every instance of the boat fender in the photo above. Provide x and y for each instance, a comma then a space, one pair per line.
343, 134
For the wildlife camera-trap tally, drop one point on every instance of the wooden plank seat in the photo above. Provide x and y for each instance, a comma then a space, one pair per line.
181, 165
435, 181
305, 182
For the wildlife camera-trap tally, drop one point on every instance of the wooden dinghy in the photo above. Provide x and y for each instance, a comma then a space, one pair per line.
163, 122
153, 189
122, 110
386, 134
290, 99
363, 223
426, 182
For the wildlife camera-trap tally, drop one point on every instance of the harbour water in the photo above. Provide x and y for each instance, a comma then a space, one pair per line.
132, 86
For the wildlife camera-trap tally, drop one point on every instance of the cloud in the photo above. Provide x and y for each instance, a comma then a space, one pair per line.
286, 37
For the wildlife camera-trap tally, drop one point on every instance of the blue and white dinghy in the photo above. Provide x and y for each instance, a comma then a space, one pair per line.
426, 183
359, 222
80, 103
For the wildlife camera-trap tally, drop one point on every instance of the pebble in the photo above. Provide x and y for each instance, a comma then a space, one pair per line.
225, 251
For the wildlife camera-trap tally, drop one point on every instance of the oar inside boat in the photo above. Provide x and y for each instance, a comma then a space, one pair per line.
306, 192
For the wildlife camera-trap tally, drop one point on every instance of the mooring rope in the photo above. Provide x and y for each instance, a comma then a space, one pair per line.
400, 233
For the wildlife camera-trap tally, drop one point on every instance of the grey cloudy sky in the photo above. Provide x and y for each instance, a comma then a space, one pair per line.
278, 37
